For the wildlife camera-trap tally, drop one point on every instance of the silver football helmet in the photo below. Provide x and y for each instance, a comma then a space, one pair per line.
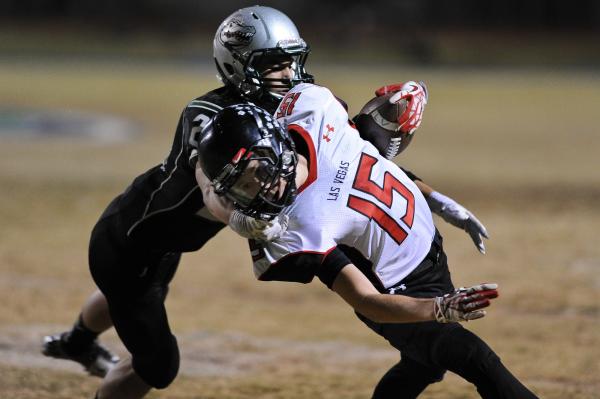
252, 40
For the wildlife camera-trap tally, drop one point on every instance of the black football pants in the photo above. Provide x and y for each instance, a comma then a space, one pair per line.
428, 349
135, 281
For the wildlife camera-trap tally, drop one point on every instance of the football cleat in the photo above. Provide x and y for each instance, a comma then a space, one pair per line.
95, 359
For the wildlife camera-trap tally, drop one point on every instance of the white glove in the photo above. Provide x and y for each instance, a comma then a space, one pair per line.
261, 230
457, 215
464, 304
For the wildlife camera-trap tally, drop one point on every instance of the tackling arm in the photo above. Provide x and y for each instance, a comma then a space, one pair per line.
224, 210
220, 207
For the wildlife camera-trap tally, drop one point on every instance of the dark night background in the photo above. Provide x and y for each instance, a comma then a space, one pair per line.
509, 32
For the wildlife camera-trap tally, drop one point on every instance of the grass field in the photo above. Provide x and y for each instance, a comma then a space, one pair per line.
520, 149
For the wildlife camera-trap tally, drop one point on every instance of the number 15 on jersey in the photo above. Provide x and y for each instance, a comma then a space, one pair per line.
384, 195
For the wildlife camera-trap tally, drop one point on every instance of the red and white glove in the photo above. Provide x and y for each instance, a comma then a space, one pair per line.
464, 304
415, 94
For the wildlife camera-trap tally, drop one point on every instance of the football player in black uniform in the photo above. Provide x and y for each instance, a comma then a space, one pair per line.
137, 243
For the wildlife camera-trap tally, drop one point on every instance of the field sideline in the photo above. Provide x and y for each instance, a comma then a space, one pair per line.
517, 148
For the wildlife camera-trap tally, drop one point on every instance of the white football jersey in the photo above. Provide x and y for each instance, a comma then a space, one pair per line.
353, 196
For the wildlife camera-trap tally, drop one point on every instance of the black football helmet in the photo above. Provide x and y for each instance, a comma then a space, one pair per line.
250, 159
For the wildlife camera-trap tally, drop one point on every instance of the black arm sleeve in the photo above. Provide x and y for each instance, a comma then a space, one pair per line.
410, 174
302, 267
331, 266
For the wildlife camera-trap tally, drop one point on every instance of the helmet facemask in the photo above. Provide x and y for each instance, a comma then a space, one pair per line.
253, 40
259, 182
260, 63
259, 173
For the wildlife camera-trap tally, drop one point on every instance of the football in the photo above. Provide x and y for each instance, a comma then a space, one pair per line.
383, 112
377, 122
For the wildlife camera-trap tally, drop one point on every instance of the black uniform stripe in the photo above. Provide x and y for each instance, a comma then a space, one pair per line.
163, 210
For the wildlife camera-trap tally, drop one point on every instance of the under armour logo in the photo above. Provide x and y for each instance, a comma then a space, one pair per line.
393, 290
330, 129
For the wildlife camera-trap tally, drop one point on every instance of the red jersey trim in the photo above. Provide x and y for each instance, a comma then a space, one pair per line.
328, 252
312, 153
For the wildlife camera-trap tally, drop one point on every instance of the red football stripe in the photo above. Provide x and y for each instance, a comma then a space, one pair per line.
236, 158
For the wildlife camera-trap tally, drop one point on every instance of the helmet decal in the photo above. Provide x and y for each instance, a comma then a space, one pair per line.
235, 34
236, 158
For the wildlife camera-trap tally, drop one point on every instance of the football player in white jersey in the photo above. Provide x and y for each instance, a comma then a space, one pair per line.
138, 241
360, 225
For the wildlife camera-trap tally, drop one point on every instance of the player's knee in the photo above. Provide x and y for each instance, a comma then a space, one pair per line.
160, 368
479, 352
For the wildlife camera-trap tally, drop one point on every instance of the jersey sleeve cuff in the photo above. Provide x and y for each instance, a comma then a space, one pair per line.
333, 262
411, 175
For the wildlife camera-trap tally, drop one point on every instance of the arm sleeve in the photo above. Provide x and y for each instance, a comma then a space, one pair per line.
331, 266
411, 175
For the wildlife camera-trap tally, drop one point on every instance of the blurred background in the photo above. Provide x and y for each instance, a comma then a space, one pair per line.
91, 93
463, 32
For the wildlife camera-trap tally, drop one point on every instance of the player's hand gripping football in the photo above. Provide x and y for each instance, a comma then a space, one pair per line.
464, 304
416, 96
457, 215
261, 230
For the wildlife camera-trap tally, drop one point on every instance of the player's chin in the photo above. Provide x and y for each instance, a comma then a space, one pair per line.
279, 88
279, 91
